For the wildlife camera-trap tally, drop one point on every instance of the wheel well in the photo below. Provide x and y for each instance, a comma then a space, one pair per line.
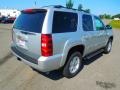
111, 38
79, 48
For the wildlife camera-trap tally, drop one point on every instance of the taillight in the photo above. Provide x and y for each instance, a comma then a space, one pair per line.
46, 45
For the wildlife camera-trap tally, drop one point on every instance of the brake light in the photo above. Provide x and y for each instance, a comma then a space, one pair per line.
46, 45
28, 10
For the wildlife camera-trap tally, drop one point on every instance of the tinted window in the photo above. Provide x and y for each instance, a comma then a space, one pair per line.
32, 22
98, 24
87, 23
64, 22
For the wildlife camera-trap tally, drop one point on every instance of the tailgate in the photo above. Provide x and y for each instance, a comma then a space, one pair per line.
27, 30
28, 41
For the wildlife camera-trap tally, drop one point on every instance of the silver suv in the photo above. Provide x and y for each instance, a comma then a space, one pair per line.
55, 37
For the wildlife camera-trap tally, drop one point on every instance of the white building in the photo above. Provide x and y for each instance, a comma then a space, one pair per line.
116, 18
9, 12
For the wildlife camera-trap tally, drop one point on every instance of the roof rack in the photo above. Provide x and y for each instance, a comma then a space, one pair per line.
60, 6
55, 6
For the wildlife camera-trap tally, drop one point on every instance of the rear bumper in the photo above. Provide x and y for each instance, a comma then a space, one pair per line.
42, 64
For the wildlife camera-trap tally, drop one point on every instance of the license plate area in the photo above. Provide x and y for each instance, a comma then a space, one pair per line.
21, 41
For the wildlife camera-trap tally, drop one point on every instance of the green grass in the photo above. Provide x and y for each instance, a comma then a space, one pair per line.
115, 24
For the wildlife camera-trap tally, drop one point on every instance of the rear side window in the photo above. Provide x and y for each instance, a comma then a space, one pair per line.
87, 23
31, 22
64, 22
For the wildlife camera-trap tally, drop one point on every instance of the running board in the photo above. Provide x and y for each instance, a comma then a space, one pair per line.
94, 54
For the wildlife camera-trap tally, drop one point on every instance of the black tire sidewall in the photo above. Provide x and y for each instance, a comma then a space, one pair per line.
66, 71
106, 48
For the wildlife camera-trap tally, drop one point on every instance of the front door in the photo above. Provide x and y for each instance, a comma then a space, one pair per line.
100, 32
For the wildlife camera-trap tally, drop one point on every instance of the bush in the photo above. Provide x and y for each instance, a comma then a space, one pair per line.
115, 23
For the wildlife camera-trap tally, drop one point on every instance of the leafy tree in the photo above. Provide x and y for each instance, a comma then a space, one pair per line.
108, 16
80, 7
105, 16
87, 10
69, 4
116, 16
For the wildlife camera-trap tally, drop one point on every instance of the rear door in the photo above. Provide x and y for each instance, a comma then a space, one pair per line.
63, 29
27, 30
89, 34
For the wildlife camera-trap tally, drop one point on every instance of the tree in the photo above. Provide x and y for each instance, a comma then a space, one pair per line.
80, 7
105, 16
87, 10
116, 16
69, 4
108, 16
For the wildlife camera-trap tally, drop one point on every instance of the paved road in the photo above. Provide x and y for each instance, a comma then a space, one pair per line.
102, 73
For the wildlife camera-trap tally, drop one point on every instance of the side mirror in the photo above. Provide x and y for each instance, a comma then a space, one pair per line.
108, 27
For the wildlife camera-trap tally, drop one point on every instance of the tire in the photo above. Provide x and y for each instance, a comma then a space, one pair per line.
73, 65
108, 47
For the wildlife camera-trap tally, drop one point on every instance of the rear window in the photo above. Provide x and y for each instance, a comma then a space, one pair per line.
31, 22
64, 22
